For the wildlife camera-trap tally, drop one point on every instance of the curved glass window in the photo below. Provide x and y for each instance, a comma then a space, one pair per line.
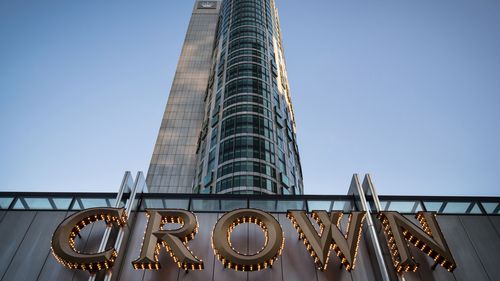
246, 181
248, 3
246, 42
247, 52
247, 98
258, 60
246, 147
245, 22
246, 10
246, 166
247, 69
248, 31
248, 15
248, 86
252, 124
247, 108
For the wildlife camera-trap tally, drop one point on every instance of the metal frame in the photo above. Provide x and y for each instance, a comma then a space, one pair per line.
77, 196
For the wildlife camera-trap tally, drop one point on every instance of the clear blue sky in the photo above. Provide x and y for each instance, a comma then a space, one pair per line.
408, 91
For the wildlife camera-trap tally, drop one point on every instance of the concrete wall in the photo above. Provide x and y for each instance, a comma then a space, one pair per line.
173, 164
25, 252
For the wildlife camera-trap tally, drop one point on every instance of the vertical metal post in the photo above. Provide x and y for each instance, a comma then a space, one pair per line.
356, 190
133, 189
369, 188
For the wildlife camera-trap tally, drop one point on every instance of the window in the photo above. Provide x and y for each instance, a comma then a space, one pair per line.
246, 123
246, 181
247, 69
246, 166
247, 98
247, 85
246, 147
247, 108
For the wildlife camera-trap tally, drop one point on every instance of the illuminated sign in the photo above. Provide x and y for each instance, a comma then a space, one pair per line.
330, 236
319, 239
174, 241
429, 240
229, 257
63, 240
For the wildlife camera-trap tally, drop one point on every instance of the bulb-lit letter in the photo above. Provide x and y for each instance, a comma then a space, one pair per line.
273, 244
63, 240
175, 241
330, 236
429, 240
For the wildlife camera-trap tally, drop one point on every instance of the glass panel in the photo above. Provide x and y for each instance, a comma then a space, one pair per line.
433, 206
62, 203
229, 205
205, 205
152, 204
265, 205
343, 205
85, 203
404, 206
42, 203
383, 205
491, 207
176, 203
34, 203
456, 207
284, 206
5, 202
165, 203
318, 205
18, 205
475, 209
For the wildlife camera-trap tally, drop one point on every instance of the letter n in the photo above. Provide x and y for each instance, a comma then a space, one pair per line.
429, 240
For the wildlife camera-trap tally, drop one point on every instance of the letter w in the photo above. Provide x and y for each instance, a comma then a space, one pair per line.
330, 236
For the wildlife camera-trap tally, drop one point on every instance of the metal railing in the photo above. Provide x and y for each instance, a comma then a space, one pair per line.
271, 203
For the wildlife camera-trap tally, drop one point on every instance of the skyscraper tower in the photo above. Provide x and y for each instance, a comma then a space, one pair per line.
229, 125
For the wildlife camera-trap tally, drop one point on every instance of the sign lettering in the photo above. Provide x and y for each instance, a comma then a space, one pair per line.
330, 236
429, 240
398, 230
63, 240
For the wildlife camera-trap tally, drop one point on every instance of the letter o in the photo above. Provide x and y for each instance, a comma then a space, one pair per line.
273, 245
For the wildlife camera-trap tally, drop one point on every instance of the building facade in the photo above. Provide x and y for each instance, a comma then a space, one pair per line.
240, 137
173, 163
227, 142
29, 223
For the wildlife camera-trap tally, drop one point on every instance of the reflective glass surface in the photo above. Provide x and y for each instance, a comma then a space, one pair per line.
433, 206
62, 203
165, 203
403, 206
205, 205
85, 203
341, 205
319, 205
5, 202
252, 199
41, 203
491, 208
285, 205
456, 207
265, 205
229, 205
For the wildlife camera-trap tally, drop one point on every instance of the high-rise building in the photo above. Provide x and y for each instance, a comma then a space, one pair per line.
229, 125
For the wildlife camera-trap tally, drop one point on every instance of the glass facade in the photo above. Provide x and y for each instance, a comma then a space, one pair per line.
443, 205
248, 144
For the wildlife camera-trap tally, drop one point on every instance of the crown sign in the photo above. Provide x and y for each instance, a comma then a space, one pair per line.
207, 4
